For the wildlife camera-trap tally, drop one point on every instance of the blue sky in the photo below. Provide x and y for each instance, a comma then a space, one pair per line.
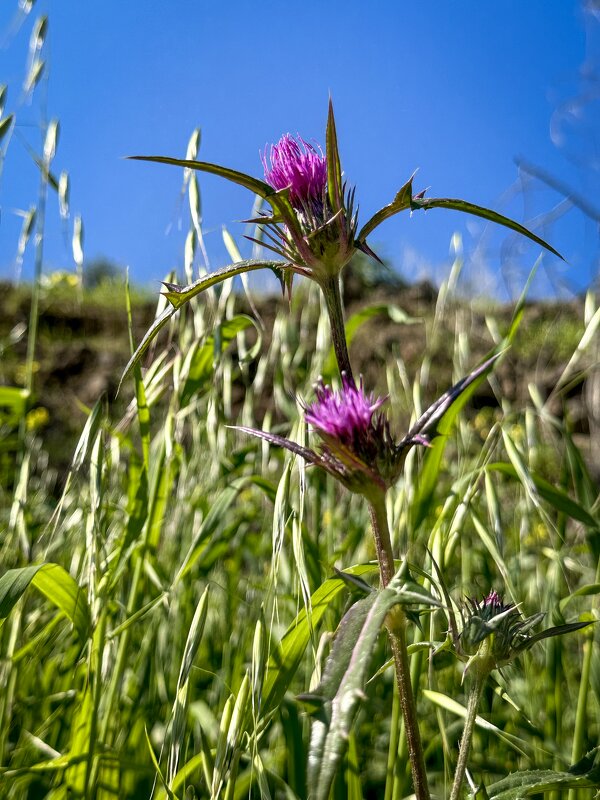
456, 90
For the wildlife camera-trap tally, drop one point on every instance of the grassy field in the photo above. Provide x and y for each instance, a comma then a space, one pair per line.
168, 607
187, 610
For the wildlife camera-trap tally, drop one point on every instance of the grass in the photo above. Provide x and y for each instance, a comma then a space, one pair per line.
166, 598
195, 548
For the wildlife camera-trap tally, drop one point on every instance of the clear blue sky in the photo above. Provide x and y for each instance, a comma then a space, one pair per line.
456, 89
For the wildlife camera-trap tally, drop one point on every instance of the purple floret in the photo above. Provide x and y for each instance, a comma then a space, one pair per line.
298, 165
493, 599
344, 414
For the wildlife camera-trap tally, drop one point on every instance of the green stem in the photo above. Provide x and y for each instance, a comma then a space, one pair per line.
97, 657
467, 737
581, 715
397, 634
333, 300
392, 759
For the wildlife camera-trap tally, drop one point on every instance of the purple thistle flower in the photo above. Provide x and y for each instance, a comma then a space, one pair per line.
299, 166
357, 447
343, 415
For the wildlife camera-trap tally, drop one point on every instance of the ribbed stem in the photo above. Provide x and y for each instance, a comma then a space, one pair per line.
467, 737
333, 299
397, 633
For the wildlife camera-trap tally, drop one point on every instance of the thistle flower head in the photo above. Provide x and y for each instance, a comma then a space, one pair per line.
345, 415
357, 446
295, 164
314, 224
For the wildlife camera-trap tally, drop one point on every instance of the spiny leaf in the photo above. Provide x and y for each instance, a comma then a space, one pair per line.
480, 211
254, 184
527, 783
281, 441
438, 419
401, 202
334, 169
286, 658
179, 295
405, 200
342, 686
427, 426
558, 630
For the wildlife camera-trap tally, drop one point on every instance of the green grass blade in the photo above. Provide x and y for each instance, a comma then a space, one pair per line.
55, 583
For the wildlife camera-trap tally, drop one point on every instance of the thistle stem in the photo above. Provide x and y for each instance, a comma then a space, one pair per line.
467, 737
397, 634
333, 300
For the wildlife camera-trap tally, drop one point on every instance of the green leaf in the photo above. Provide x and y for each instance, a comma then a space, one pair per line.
334, 168
454, 707
438, 419
480, 211
342, 686
247, 181
5, 125
558, 630
540, 781
179, 295
287, 656
401, 202
180, 705
55, 584
13, 404
584, 591
80, 729
149, 337
405, 200
213, 522
556, 497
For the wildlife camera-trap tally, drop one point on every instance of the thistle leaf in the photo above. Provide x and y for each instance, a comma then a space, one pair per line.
480, 211
254, 184
281, 441
401, 202
278, 199
427, 426
179, 295
405, 200
335, 701
334, 168
585, 774
438, 419
285, 658
558, 630
337, 697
